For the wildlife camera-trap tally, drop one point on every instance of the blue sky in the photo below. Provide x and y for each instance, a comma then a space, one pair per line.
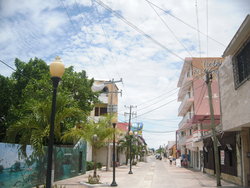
89, 37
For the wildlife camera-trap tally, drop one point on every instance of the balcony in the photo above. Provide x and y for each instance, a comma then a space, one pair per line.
185, 105
182, 140
186, 84
103, 98
196, 136
186, 119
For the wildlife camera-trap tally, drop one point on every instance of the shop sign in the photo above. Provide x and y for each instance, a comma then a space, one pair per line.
222, 157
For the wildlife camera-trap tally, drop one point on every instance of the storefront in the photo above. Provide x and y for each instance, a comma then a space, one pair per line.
228, 152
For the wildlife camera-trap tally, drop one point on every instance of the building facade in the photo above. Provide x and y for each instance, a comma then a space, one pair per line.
234, 76
108, 105
195, 109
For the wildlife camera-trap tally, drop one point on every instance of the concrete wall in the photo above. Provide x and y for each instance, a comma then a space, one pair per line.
102, 155
235, 104
89, 152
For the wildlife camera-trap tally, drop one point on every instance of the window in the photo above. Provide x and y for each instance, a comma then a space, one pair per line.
105, 90
99, 111
103, 111
241, 65
96, 111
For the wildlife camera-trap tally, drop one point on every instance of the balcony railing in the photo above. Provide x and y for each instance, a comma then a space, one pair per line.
182, 140
185, 105
186, 119
103, 98
196, 136
186, 84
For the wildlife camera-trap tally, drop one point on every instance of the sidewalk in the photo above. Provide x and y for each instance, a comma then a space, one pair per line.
153, 174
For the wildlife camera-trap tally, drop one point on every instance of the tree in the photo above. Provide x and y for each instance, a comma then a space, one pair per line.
33, 129
31, 82
5, 101
123, 145
96, 134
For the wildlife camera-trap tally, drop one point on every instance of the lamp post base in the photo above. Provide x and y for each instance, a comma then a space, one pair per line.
113, 184
130, 172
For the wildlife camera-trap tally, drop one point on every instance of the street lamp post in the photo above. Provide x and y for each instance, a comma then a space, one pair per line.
56, 72
114, 184
130, 153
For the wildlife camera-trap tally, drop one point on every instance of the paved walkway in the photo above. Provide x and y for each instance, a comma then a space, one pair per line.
153, 174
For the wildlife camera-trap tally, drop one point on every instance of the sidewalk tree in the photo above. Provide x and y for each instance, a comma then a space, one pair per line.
33, 129
31, 82
96, 134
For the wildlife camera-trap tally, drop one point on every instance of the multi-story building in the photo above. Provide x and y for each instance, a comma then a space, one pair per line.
108, 105
108, 99
234, 76
195, 109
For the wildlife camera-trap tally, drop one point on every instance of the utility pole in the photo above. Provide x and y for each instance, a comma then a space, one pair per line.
111, 110
130, 115
129, 129
209, 78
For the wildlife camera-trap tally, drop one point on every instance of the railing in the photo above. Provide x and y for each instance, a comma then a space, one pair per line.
184, 87
182, 140
186, 119
103, 98
185, 100
196, 136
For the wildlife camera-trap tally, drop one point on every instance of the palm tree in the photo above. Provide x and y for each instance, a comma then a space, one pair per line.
123, 145
33, 128
97, 134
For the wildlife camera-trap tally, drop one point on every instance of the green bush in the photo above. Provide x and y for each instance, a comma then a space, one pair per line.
90, 165
134, 163
99, 165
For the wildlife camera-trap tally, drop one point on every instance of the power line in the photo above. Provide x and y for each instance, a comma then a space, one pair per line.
157, 108
74, 28
166, 12
207, 25
200, 99
106, 37
151, 131
156, 102
136, 28
197, 19
7, 65
170, 30
157, 97
162, 105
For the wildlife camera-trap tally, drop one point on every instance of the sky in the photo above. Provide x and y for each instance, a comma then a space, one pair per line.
144, 42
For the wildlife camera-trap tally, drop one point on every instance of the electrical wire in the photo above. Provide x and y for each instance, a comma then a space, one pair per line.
151, 131
198, 28
136, 28
72, 23
157, 97
192, 27
107, 38
200, 99
165, 23
156, 102
161, 105
207, 25
7, 65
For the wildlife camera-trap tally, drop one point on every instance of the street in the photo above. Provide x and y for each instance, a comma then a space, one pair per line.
153, 174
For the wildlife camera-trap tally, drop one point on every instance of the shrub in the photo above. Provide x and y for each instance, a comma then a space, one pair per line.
90, 165
134, 163
99, 165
